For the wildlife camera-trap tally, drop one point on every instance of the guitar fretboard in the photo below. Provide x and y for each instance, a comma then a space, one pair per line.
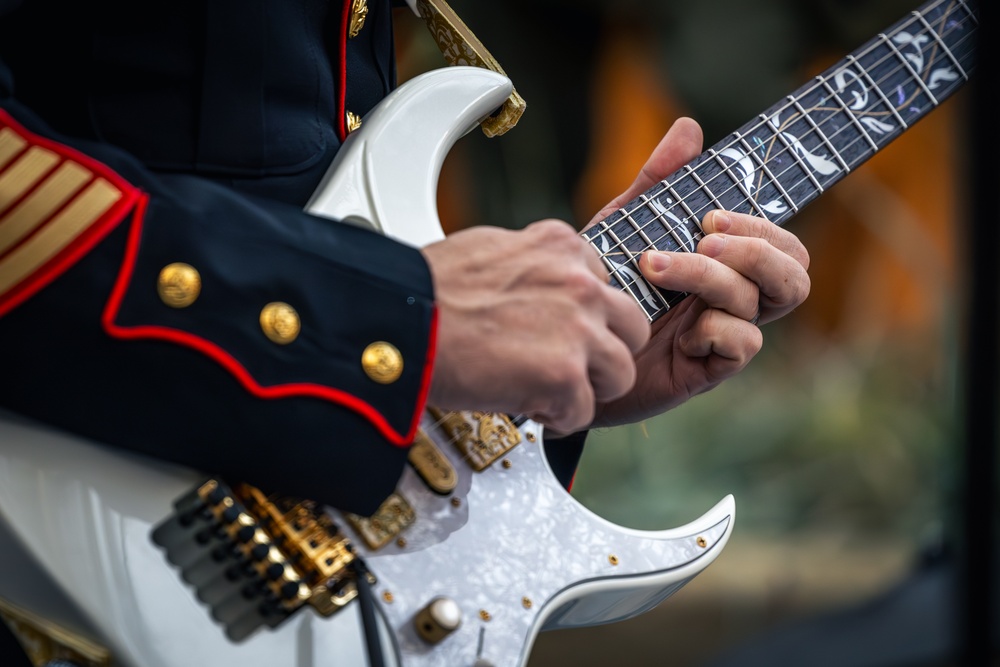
787, 156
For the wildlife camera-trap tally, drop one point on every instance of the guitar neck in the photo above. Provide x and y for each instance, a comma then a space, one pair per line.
790, 154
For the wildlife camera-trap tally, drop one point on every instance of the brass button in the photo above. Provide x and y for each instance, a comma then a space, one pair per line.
280, 323
353, 121
179, 285
359, 12
382, 362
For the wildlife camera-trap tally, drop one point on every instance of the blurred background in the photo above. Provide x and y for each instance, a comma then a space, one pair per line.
843, 440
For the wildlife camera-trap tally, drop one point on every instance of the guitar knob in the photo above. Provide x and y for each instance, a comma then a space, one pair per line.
438, 619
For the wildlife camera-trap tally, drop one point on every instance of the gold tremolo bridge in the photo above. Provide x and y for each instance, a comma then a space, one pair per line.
255, 558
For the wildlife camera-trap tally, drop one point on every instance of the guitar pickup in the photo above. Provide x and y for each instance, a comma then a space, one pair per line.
393, 516
481, 437
256, 559
432, 465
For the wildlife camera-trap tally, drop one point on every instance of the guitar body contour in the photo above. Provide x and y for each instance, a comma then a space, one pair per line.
508, 545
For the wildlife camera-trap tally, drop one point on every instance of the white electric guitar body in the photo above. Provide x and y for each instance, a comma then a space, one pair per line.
509, 550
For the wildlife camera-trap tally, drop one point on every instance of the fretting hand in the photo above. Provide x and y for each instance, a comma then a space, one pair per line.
746, 271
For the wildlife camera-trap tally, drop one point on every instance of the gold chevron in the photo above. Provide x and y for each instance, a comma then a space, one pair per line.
54, 234
10, 145
42, 203
24, 173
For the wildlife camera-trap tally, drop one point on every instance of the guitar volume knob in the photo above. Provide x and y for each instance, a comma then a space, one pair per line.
438, 619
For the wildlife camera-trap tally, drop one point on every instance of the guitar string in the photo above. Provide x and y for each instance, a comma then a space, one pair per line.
968, 17
821, 82
690, 225
669, 230
835, 111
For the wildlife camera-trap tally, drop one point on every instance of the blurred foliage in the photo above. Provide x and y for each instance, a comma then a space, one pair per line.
811, 437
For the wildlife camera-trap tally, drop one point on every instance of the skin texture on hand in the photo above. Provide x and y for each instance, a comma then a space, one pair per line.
529, 325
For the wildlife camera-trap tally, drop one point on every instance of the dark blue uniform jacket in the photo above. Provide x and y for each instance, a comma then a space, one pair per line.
137, 136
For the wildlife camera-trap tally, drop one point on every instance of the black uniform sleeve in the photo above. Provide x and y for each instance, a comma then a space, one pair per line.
171, 316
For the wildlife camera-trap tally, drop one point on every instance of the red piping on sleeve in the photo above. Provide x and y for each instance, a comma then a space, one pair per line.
341, 92
85, 240
223, 358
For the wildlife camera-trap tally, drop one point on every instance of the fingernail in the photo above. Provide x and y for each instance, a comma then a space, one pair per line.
659, 261
712, 245
721, 221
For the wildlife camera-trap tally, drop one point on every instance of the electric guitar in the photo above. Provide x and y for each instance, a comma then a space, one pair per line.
117, 557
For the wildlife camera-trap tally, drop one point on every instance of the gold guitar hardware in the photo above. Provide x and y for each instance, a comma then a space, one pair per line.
393, 516
432, 465
482, 438
43, 641
460, 46
353, 121
255, 558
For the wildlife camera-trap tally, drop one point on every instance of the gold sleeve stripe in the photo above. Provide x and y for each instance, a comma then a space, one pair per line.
11, 144
24, 174
57, 233
42, 203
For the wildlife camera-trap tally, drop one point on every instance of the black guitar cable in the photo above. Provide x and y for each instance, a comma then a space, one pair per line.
368, 619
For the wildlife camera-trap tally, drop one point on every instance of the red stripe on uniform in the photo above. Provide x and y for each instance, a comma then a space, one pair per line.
341, 92
86, 239
239, 372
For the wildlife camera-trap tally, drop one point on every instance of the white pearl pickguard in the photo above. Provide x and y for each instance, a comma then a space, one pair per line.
521, 549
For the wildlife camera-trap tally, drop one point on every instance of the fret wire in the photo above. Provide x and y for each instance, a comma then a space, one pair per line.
822, 136
737, 183
660, 215
774, 181
680, 223
798, 158
789, 150
615, 272
617, 242
641, 231
851, 115
878, 91
968, 12
906, 65
940, 42
691, 171
683, 204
